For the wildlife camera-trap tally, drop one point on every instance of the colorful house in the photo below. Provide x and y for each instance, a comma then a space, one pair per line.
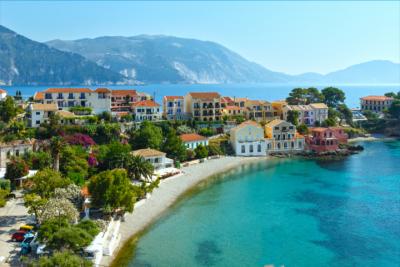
375, 104
146, 110
247, 139
192, 140
323, 139
157, 158
40, 113
173, 107
203, 106
282, 137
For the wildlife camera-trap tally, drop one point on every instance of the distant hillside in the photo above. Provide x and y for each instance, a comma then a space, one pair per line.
26, 62
164, 59
377, 71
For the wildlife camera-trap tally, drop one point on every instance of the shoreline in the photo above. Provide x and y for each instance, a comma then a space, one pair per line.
168, 192
371, 138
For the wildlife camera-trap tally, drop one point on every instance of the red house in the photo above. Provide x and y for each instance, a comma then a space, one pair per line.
325, 139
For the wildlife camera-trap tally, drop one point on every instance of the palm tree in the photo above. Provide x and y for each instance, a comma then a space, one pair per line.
138, 167
56, 144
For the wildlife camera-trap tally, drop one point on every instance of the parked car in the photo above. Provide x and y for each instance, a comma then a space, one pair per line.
18, 236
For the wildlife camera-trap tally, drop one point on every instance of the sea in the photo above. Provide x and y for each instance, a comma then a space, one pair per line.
286, 212
269, 91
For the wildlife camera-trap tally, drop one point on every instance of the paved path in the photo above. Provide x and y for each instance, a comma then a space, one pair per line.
12, 216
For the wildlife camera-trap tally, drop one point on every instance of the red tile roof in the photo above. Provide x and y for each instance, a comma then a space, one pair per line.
103, 90
68, 90
191, 137
172, 97
377, 98
38, 96
123, 92
2, 91
146, 103
205, 95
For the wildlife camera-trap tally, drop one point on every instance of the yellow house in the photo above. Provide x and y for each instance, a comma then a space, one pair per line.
282, 137
203, 106
277, 107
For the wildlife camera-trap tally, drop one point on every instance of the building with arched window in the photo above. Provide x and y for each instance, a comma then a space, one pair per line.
281, 136
247, 139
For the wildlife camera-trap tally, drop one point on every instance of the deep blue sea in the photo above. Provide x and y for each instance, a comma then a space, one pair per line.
268, 91
286, 212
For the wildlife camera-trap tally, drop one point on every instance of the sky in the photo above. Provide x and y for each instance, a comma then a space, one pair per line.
292, 37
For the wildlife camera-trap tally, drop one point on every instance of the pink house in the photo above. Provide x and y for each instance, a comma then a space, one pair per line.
325, 139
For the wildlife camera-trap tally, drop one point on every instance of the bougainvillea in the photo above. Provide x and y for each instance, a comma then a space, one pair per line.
92, 161
80, 139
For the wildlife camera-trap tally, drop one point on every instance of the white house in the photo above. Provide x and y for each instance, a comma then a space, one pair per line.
146, 110
247, 139
40, 113
282, 136
98, 100
14, 148
155, 157
3, 94
192, 140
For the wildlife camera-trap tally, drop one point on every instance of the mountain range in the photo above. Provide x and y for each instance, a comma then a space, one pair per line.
153, 59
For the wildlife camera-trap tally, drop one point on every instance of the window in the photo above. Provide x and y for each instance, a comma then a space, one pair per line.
48, 96
8, 154
82, 96
37, 122
258, 148
17, 152
60, 96
251, 148
243, 149
37, 112
70, 96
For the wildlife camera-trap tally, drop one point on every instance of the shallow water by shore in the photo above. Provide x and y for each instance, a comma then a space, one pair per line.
167, 193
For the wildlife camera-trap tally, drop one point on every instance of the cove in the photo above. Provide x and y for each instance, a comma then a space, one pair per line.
287, 212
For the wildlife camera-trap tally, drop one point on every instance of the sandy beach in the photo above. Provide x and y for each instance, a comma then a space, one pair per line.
168, 192
370, 138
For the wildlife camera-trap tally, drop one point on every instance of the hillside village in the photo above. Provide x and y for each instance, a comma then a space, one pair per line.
73, 148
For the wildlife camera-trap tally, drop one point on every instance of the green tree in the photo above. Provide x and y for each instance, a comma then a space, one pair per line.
60, 259
113, 155
112, 190
201, 152
8, 109
297, 97
313, 95
302, 129
345, 113
38, 160
56, 145
35, 204
139, 168
333, 96
74, 164
15, 169
293, 117
394, 109
214, 149
46, 181
148, 136
174, 146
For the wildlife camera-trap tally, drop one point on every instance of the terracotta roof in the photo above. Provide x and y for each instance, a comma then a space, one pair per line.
103, 90
241, 99
319, 129
205, 95
146, 103
377, 98
227, 99
147, 152
172, 97
319, 105
123, 92
68, 90
38, 96
45, 107
191, 137
2, 91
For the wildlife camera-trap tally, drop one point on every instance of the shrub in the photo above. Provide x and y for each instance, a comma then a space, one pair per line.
15, 169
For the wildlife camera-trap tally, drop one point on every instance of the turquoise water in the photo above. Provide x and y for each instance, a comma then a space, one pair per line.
269, 91
287, 212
